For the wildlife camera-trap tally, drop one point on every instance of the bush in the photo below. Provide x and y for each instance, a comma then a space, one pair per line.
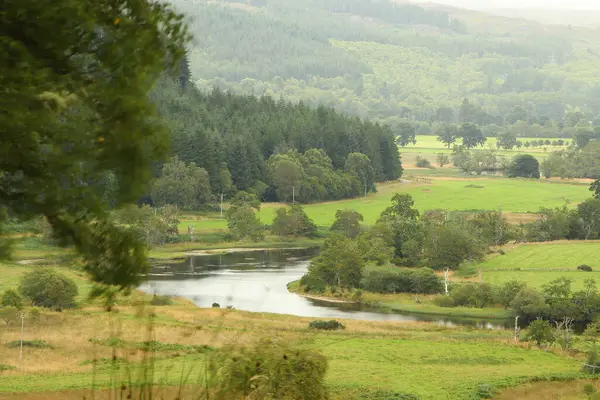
473, 295
486, 391
390, 279
4, 367
158, 300
444, 301
9, 315
36, 314
35, 344
270, 370
312, 284
541, 332
11, 298
589, 389
422, 162
332, 325
502, 252
378, 394
584, 268
48, 288
216, 305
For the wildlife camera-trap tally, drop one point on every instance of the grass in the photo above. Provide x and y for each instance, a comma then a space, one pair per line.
433, 362
556, 255
431, 142
538, 279
511, 195
11, 274
406, 303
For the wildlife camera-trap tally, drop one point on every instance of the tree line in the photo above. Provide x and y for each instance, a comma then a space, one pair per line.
224, 142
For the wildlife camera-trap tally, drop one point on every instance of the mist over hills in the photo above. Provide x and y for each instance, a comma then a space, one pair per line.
399, 63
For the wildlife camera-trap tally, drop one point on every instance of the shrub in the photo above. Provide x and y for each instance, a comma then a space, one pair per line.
331, 325
9, 314
158, 300
48, 288
540, 331
312, 284
270, 369
585, 268
422, 162
216, 305
11, 298
589, 389
473, 295
35, 344
444, 301
486, 391
502, 252
4, 367
378, 394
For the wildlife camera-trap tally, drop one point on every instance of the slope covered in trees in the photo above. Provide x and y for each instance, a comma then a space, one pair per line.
396, 62
276, 149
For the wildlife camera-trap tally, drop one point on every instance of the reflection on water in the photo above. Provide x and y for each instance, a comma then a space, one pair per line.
257, 281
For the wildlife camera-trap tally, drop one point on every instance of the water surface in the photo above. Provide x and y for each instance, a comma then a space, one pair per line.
257, 281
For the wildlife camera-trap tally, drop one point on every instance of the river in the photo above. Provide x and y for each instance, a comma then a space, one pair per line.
257, 281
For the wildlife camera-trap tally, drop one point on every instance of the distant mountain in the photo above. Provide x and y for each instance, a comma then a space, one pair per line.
399, 62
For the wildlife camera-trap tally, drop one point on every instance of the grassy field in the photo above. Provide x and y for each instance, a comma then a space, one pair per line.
431, 142
539, 263
554, 255
454, 193
428, 146
426, 360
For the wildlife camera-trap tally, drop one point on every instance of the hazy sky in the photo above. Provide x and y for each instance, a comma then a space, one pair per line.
487, 4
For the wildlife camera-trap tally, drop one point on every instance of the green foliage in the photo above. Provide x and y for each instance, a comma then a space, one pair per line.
589, 389
524, 166
270, 369
507, 292
529, 303
35, 344
331, 325
313, 284
473, 295
450, 244
486, 391
584, 267
11, 298
72, 121
540, 331
5, 367
186, 186
360, 165
422, 163
442, 159
293, 221
150, 226
340, 262
347, 222
471, 136
242, 220
390, 279
48, 288
9, 315
444, 301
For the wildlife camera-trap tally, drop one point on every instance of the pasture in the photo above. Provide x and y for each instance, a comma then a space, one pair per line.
452, 193
540, 263
366, 360
428, 147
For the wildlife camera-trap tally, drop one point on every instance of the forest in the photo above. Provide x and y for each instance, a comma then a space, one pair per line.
275, 149
398, 63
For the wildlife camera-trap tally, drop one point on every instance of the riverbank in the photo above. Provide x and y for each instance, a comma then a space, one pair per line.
402, 303
181, 250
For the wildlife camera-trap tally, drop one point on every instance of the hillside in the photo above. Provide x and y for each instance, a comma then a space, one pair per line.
394, 62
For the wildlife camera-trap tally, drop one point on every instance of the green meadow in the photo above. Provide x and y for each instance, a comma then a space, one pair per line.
452, 193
